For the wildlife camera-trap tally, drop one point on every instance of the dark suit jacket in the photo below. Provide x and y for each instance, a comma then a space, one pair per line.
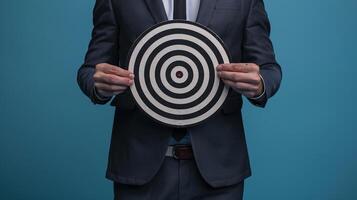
138, 144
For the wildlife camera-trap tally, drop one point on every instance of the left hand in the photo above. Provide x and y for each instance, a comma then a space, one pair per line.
242, 77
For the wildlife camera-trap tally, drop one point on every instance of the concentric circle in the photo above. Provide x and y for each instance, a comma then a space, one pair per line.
176, 82
179, 74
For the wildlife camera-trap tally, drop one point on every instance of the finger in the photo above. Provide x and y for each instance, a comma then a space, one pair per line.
240, 77
243, 87
112, 79
246, 87
112, 69
247, 93
109, 93
105, 93
239, 67
109, 88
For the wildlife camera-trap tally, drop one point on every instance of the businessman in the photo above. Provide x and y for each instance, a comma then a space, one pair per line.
151, 161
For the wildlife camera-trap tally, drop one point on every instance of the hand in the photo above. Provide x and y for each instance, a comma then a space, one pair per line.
242, 77
111, 80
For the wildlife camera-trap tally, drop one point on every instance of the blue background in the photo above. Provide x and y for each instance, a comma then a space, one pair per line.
54, 142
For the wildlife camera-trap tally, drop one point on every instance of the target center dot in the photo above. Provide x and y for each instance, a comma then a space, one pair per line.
179, 74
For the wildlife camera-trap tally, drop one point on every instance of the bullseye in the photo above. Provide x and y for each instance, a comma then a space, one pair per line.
179, 74
176, 82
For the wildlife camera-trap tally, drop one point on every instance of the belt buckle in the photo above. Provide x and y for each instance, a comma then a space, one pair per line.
174, 155
174, 152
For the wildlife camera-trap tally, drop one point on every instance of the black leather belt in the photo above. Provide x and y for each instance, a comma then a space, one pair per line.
180, 152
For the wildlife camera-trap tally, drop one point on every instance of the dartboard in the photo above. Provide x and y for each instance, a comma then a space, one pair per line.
174, 64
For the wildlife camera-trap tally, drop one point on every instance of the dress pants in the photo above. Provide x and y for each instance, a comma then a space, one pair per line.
177, 180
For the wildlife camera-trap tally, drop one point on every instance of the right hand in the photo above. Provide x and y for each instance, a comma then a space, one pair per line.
111, 80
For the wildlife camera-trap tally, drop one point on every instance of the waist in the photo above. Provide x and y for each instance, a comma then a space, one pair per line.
180, 151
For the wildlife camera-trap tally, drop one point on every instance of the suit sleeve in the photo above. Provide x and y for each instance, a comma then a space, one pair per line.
103, 48
258, 48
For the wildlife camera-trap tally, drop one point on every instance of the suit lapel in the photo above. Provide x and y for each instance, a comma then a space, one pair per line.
157, 10
205, 11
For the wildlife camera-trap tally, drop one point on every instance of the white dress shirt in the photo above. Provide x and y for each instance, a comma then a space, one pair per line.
192, 7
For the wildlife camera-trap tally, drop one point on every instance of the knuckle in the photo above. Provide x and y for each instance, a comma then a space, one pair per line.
104, 87
256, 79
119, 80
112, 79
236, 67
113, 68
128, 82
224, 67
248, 68
255, 66
235, 76
107, 79
100, 66
96, 76
255, 87
118, 69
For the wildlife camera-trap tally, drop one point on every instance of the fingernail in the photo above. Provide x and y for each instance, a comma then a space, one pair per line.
131, 75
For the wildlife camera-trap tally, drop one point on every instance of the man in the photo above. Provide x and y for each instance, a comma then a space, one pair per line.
151, 161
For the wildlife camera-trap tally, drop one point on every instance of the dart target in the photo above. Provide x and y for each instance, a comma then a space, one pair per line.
176, 82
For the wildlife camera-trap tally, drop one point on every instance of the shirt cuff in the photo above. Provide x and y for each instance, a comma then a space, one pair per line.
263, 93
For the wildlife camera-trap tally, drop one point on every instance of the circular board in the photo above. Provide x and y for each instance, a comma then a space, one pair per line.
176, 82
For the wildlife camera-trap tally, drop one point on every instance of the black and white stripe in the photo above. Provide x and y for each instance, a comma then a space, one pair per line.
175, 78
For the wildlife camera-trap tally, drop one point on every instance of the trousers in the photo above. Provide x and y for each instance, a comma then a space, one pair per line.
177, 180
